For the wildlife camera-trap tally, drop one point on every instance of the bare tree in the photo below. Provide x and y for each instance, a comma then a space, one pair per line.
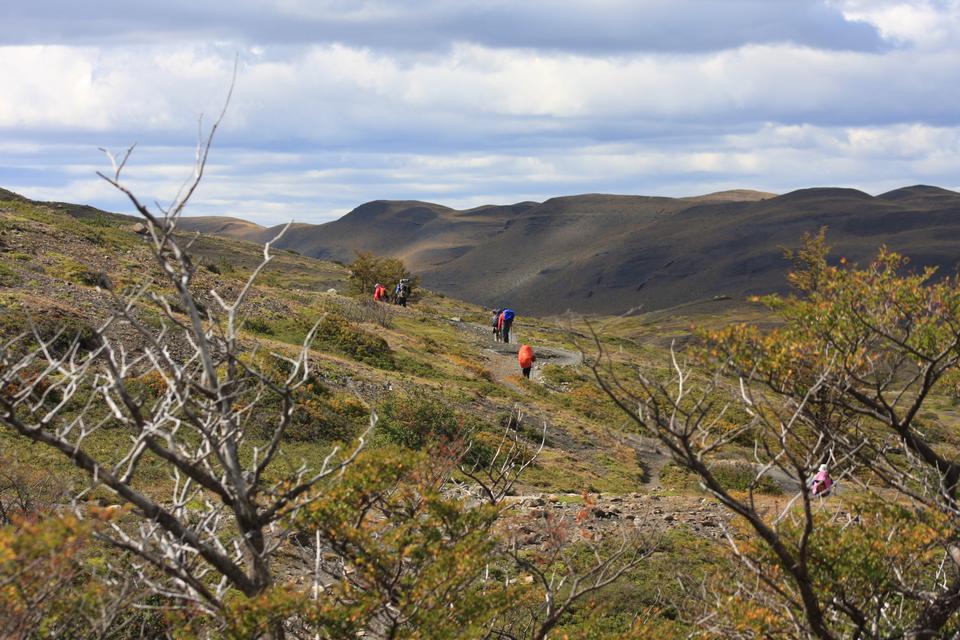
571, 564
230, 508
842, 382
563, 560
493, 477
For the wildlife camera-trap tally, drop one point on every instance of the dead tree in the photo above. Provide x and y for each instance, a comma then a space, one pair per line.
492, 479
229, 509
843, 382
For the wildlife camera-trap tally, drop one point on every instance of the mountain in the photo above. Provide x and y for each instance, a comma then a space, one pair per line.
605, 254
599, 253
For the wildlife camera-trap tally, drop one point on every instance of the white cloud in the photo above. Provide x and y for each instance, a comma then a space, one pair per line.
929, 24
773, 158
319, 125
341, 95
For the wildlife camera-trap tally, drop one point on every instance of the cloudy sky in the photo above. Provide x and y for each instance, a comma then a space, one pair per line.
466, 102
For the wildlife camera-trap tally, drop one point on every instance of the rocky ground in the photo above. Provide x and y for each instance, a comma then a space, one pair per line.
647, 514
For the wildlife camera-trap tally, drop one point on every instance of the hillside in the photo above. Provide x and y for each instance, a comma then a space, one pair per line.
436, 379
55, 263
607, 254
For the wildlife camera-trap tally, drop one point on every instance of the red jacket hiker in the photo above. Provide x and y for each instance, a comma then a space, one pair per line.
526, 358
379, 292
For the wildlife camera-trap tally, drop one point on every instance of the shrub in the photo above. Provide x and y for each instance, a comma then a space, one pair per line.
337, 334
319, 416
51, 323
68, 269
258, 325
417, 422
368, 269
8, 277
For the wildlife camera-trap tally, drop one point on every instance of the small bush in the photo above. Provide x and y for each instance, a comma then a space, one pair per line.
558, 376
49, 324
258, 325
68, 269
99, 220
337, 334
417, 422
319, 416
8, 277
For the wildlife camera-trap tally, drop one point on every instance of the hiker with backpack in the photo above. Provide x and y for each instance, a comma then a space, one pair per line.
822, 483
496, 325
402, 292
379, 293
504, 324
526, 358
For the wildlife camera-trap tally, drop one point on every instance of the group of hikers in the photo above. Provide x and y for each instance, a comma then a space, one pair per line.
400, 293
502, 321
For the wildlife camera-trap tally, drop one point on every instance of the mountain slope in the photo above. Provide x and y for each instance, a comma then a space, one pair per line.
606, 254
601, 253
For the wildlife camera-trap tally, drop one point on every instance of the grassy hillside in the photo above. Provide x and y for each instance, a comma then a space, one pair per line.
430, 371
54, 268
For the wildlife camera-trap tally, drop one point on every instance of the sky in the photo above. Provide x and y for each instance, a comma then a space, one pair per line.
472, 102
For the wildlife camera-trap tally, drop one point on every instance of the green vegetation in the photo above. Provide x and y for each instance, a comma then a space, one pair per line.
367, 270
60, 327
8, 276
732, 476
418, 422
436, 386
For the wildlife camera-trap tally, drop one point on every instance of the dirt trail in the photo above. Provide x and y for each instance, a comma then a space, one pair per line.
502, 358
502, 363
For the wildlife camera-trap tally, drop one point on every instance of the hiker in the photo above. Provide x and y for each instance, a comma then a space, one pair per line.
504, 324
402, 292
380, 293
526, 358
822, 483
496, 325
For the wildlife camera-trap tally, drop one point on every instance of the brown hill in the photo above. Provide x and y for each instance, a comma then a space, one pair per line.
733, 195
604, 254
600, 253
226, 226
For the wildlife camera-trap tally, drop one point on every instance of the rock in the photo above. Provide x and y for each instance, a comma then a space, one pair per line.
139, 228
456, 319
103, 281
332, 291
668, 517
